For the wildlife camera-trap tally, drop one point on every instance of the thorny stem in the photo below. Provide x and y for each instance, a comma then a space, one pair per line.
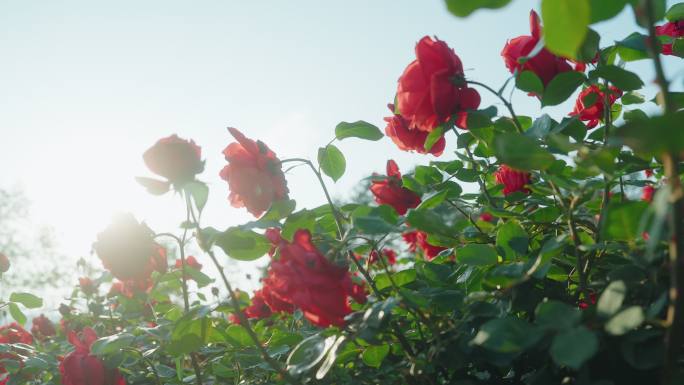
506, 103
244, 321
675, 310
578, 254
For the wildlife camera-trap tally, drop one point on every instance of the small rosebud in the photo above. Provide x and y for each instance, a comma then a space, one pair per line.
64, 310
215, 291
4, 263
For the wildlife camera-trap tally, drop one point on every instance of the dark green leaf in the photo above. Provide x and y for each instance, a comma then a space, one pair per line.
374, 355
464, 8
359, 129
521, 152
477, 255
512, 240
556, 315
279, 210
675, 13
428, 221
590, 47
243, 245
654, 136
565, 25
620, 77
633, 47
632, 98
433, 137
562, 86
111, 344
332, 161
573, 347
507, 335
426, 175
528, 81
623, 219
605, 9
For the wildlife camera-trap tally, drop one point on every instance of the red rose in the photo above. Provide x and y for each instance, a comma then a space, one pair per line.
583, 304
593, 113
432, 88
647, 193
389, 191
410, 140
303, 277
254, 174
487, 217
389, 255
258, 308
4, 263
418, 240
513, 180
81, 368
544, 64
176, 159
15, 334
87, 286
275, 303
128, 250
43, 327
673, 29
648, 172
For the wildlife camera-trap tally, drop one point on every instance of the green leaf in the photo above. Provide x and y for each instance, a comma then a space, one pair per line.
528, 81
199, 191
332, 161
374, 355
632, 98
565, 25
434, 200
512, 240
675, 13
433, 137
401, 278
463, 8
633, 47
426, 175
428, 221
620, 77
521, 152
573, 347
605, 9
358, 129
17, 314
238, 336
308, 353
111, 344
562, 86
590, 47
654, 136
625, 321
243, 245
153, 186
476, 254
279, 210
541, 127
622, 220
611, 299
507, 335
27, 299
556, 315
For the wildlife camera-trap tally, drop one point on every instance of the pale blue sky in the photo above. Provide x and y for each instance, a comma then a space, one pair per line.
86, 86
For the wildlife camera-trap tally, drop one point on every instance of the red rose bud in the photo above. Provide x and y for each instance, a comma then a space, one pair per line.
15, 334
432, 88
80, 367
128, 250
418, 240
593, 111
513, 180
304, 278
647, 193
4, 263
389, 191
389, 255
189, 261
87, 286
583, 304
487, 217
544, 64
410, 140
672, 29
43, 327
254, 174
648, 172
176, 159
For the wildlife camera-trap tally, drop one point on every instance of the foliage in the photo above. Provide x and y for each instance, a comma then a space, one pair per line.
539, 252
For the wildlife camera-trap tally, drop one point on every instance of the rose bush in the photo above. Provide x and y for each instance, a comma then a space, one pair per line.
538, 252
